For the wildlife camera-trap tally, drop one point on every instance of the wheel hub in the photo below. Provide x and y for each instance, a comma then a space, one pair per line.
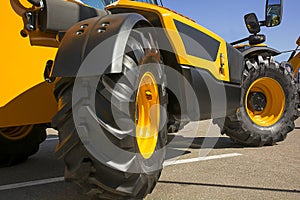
258, 101
265, 101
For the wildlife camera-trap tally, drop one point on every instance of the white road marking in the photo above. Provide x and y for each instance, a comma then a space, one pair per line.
190, 160
31, 183
50, 139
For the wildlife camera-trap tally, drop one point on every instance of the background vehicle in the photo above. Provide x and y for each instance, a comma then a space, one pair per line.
131, 90
27, 103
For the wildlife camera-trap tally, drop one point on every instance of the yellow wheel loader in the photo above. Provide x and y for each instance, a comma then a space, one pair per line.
27, 103
114, 77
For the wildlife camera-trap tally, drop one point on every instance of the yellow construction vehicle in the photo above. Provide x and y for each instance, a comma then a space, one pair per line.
114, 77
27, 104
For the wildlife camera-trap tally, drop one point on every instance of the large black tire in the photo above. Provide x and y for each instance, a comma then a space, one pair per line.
82, 167
18, 143
243, 128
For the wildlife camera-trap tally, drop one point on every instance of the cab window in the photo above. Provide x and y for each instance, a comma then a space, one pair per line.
100, 4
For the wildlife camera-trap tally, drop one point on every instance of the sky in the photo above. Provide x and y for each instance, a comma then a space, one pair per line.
226, 18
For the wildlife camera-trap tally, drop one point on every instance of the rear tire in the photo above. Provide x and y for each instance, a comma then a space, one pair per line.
114, 94
264, 123
18, 143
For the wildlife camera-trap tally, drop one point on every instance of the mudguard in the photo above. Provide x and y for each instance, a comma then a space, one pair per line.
260, 50
108, 35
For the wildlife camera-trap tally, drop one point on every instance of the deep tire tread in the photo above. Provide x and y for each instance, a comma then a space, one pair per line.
82, 168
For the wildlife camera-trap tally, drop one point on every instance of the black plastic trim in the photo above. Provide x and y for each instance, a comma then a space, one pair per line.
197, 43
206, 88
263, 51
235, 63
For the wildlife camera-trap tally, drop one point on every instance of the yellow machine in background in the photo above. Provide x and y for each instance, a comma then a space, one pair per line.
27, 104
27, 98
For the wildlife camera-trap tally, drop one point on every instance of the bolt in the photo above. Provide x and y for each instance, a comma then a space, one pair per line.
79, 32
148, 95
105, 24
84, 26
101, 30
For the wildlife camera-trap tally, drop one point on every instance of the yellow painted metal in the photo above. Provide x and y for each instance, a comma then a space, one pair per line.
22, 67
295, 61
16, 133
147, 115
275, 98
242, 46
37, 105
25, 3
167, 17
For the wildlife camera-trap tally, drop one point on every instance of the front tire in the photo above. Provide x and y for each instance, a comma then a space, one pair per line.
269, 105
140, 89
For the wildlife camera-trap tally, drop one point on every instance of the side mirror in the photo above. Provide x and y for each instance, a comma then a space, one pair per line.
273, 13
252, 23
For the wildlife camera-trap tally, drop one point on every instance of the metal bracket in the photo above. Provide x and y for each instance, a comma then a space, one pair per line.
30, 18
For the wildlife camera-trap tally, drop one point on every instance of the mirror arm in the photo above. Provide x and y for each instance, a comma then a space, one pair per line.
240, 41
262, 23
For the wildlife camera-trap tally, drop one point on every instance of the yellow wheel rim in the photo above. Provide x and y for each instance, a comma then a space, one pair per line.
16, 133
275, 102
147, 115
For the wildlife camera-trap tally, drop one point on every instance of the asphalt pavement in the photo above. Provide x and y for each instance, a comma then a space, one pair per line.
201, 164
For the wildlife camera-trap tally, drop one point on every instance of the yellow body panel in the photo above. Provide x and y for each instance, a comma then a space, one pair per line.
35, 106
167, 18
22, 68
